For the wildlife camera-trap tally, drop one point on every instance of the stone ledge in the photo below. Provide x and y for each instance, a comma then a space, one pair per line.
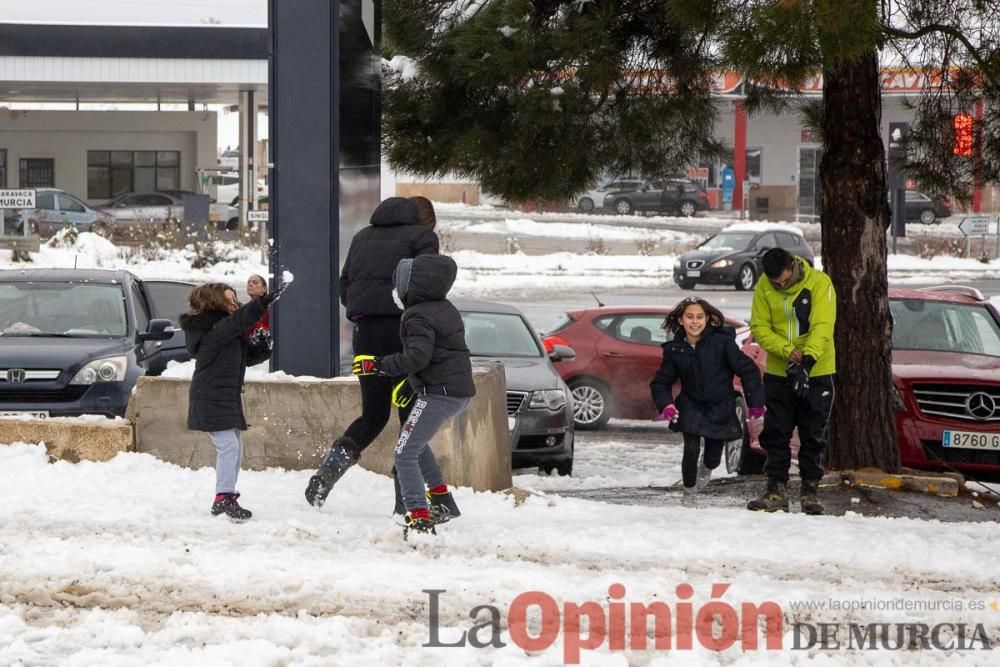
921, 482
73, 442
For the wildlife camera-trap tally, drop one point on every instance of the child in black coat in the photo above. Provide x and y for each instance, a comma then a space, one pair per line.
215, 328
704, 356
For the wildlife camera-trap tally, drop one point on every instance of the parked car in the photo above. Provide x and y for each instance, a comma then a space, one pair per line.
134, 211
539, 409
945, 377
676, 196
732, 257
230, 159
617, 353
926, 209
74, 342
55, 209
592, 199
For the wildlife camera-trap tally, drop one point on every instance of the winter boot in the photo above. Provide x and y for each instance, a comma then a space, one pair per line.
689, 498
419, 520
704, 474
343, 454
398, 508
443, 505
773, 500
225, 503
809, 498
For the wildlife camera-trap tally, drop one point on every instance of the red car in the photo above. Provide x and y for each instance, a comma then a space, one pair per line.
617, 353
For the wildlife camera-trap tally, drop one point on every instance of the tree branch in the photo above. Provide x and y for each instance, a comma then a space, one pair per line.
984, 66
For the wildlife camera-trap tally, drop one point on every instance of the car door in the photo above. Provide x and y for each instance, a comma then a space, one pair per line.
45, 216
631, 353
647, 197
763, 243
167, 300
74, 211
670, 197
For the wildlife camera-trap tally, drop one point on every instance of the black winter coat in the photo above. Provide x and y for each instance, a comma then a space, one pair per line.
434, 354
366, 279
706, 402
218, 343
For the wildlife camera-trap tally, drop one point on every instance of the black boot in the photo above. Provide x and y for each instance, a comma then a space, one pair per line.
809, 498
225, 503
773, 500
343, 454
443, 507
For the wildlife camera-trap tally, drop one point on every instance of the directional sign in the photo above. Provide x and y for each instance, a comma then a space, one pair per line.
17, 199
257, 216
977, 225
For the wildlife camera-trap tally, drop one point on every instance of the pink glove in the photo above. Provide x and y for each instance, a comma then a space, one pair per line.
756, 412
669, 414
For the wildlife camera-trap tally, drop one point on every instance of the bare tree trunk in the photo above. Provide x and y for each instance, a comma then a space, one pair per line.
855, 217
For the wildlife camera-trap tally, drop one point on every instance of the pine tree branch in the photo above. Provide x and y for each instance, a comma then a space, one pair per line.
951, 31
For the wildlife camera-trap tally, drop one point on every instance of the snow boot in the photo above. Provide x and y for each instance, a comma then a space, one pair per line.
773, 500
225, 503
419, 520
809, 498
704, 474
443, 505
343, 454
689, 498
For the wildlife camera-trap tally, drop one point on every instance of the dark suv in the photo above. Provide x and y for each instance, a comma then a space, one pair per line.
74, 342
675, 196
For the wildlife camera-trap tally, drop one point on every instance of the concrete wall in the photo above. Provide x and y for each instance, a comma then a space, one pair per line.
293, 423
69, 441
66, 136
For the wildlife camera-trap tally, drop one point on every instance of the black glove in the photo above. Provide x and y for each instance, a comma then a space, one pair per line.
798, 377
260, 339
271, 297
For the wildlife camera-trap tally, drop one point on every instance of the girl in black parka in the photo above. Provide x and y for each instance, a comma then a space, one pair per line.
215, 328
704, 356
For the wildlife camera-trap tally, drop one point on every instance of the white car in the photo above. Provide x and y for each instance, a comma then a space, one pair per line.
592, 199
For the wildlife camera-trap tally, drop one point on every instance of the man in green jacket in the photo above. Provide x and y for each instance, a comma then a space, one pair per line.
792, 318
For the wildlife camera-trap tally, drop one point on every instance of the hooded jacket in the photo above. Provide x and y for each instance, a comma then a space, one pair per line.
435, 355
707, 401
802, 316
366, 279
218, 343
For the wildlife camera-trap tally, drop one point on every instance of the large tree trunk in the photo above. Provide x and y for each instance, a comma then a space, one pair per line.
855, 217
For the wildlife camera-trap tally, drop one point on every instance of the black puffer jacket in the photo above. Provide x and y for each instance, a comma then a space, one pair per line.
706, 402
394, 234
434, 354
218, 343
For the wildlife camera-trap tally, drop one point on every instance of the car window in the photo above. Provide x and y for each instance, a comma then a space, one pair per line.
564, 321
168, 300
944, 326
766, 241
791, 241
499, 335
916, 196
603, 322
71, 204
728, 241
45, 201
63, 308
141, 309
642, 329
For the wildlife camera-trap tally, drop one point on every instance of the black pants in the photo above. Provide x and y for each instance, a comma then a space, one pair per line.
377, 336
689, 463
785, 412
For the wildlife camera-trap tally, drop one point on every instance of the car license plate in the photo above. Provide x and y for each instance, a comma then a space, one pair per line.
21, 414
694, 274
971, 440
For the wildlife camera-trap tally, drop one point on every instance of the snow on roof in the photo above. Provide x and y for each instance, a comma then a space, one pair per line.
763, 227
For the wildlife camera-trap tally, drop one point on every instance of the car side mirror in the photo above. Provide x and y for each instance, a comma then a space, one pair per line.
562, 353
158, 329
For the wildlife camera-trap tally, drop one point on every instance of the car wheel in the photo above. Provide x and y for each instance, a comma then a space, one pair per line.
591, 404
586, 204
927, 217
740, 457
746, 278
623, 207
687, 209
686, 284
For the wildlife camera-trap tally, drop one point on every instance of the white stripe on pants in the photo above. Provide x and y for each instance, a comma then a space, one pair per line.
228, 458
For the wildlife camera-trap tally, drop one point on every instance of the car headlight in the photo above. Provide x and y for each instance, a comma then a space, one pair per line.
553, 399
677, 263
897, 400
111, 369
722, 263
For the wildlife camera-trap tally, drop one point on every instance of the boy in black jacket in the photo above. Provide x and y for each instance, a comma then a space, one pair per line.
435, 360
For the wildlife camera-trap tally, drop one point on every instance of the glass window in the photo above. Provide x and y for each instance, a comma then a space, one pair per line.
564, 321
63, 308
499, 335
168, 300
38, 173
141, 310
944, 326
111, 173
71, 204
144, 158
728, 241
604, 322
790, 241
642, 329
754, 164
767, 241
45, 201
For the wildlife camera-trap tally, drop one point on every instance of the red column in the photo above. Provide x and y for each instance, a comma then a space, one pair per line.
739, 154
977, 168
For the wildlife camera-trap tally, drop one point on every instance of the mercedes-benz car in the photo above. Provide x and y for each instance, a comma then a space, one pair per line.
539, 406
73, 342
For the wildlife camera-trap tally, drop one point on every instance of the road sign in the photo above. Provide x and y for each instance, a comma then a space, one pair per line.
17, 199
976, 225
257, 216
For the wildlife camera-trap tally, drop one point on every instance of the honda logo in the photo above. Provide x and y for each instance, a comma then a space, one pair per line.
16, 375
981, 405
